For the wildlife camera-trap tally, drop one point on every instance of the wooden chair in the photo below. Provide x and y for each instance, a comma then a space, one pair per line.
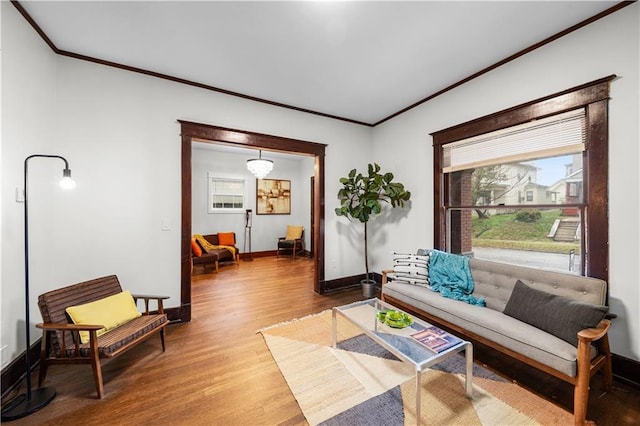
293, 241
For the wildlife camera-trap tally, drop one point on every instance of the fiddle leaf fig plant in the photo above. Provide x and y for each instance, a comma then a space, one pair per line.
363, 195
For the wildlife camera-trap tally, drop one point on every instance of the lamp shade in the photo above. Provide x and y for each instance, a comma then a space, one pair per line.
259, 167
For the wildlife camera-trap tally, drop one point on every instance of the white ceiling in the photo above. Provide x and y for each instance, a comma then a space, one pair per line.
361, 61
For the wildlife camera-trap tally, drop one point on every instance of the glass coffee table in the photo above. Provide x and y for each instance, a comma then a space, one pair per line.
409, 338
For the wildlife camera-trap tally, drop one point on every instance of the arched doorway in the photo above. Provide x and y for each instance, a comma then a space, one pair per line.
213, 134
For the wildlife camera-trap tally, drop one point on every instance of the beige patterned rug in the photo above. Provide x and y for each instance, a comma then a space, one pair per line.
360, 383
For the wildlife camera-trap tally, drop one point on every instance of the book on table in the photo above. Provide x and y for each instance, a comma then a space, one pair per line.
436, 339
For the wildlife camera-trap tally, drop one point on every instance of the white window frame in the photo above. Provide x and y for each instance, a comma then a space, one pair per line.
211, 179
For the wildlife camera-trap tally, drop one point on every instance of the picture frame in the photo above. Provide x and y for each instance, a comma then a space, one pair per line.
273, 196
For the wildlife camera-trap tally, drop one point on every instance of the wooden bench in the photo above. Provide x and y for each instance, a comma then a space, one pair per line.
60, 339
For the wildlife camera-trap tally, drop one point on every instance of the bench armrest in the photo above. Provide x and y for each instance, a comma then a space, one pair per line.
50, 326
146, 299
74, 329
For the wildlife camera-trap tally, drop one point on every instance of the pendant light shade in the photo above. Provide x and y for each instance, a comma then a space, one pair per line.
259, 166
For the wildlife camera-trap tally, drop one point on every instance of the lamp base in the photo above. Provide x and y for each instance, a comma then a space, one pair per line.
39, 399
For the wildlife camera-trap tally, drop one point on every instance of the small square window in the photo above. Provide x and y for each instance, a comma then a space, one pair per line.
226, 195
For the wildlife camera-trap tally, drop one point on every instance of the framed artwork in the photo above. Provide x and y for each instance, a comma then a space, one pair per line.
273, 196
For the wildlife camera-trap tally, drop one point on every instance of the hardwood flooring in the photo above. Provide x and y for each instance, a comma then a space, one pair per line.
217, 369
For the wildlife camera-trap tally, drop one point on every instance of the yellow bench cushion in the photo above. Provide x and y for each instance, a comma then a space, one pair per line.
110, 312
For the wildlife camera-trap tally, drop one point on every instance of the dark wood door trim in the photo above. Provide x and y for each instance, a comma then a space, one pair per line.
190, 132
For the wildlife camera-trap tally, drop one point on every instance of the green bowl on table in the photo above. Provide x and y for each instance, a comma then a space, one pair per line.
395, 319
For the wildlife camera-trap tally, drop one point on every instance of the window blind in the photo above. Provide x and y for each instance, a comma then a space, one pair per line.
559, 134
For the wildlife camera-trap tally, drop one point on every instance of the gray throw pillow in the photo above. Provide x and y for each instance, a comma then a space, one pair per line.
556, 315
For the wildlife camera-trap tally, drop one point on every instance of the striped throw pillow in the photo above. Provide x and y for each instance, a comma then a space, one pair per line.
411, 268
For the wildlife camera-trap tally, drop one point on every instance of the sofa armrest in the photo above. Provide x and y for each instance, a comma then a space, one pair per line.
589, 335
146, 299
384, 275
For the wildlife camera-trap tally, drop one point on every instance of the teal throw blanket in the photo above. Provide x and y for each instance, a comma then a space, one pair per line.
450, 275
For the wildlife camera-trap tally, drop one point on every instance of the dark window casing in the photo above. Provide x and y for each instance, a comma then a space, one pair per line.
594, 97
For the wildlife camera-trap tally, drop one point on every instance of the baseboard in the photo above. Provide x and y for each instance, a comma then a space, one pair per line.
256, 254
179, 314
329, 286
14, 372
626, 370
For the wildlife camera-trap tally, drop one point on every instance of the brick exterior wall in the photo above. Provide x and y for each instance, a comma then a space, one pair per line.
465, 216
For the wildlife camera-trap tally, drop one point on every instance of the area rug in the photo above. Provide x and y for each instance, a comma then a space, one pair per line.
360, 383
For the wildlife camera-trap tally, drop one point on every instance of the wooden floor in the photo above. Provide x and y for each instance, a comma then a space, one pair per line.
218, 371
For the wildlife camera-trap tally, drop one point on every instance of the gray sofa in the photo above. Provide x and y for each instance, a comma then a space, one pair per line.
495, 282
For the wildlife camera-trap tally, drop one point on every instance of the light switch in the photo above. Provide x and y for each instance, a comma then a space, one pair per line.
166, 225
19, 195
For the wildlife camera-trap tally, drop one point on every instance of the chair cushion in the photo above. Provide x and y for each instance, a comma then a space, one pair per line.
109, 312
226, 238
294, 232
557, 315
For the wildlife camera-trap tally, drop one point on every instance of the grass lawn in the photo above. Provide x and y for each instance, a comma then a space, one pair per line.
504, 231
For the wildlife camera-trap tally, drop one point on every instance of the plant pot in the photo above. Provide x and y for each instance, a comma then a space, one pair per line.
368, 289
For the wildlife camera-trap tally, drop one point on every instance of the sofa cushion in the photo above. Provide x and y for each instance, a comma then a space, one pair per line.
110, 312
195, 248
206, 245
554, 314
226, 238
493, 325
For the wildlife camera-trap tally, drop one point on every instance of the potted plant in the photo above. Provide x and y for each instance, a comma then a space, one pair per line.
361, 196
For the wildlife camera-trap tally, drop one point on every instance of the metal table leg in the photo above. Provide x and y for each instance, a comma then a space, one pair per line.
334, 332
418, 389
468, 377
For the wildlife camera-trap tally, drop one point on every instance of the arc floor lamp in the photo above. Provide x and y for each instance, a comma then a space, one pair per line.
33, 400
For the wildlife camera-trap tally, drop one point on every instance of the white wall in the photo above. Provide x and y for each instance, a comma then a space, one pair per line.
266, 228
608, 46
120, 134
28, 103
119, 131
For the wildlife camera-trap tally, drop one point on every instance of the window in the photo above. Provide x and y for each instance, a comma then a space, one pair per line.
533, 159
226, 195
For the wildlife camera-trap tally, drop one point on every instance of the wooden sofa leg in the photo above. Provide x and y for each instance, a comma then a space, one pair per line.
217, 265
162, 338
95, 364
607, 371
581, 390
